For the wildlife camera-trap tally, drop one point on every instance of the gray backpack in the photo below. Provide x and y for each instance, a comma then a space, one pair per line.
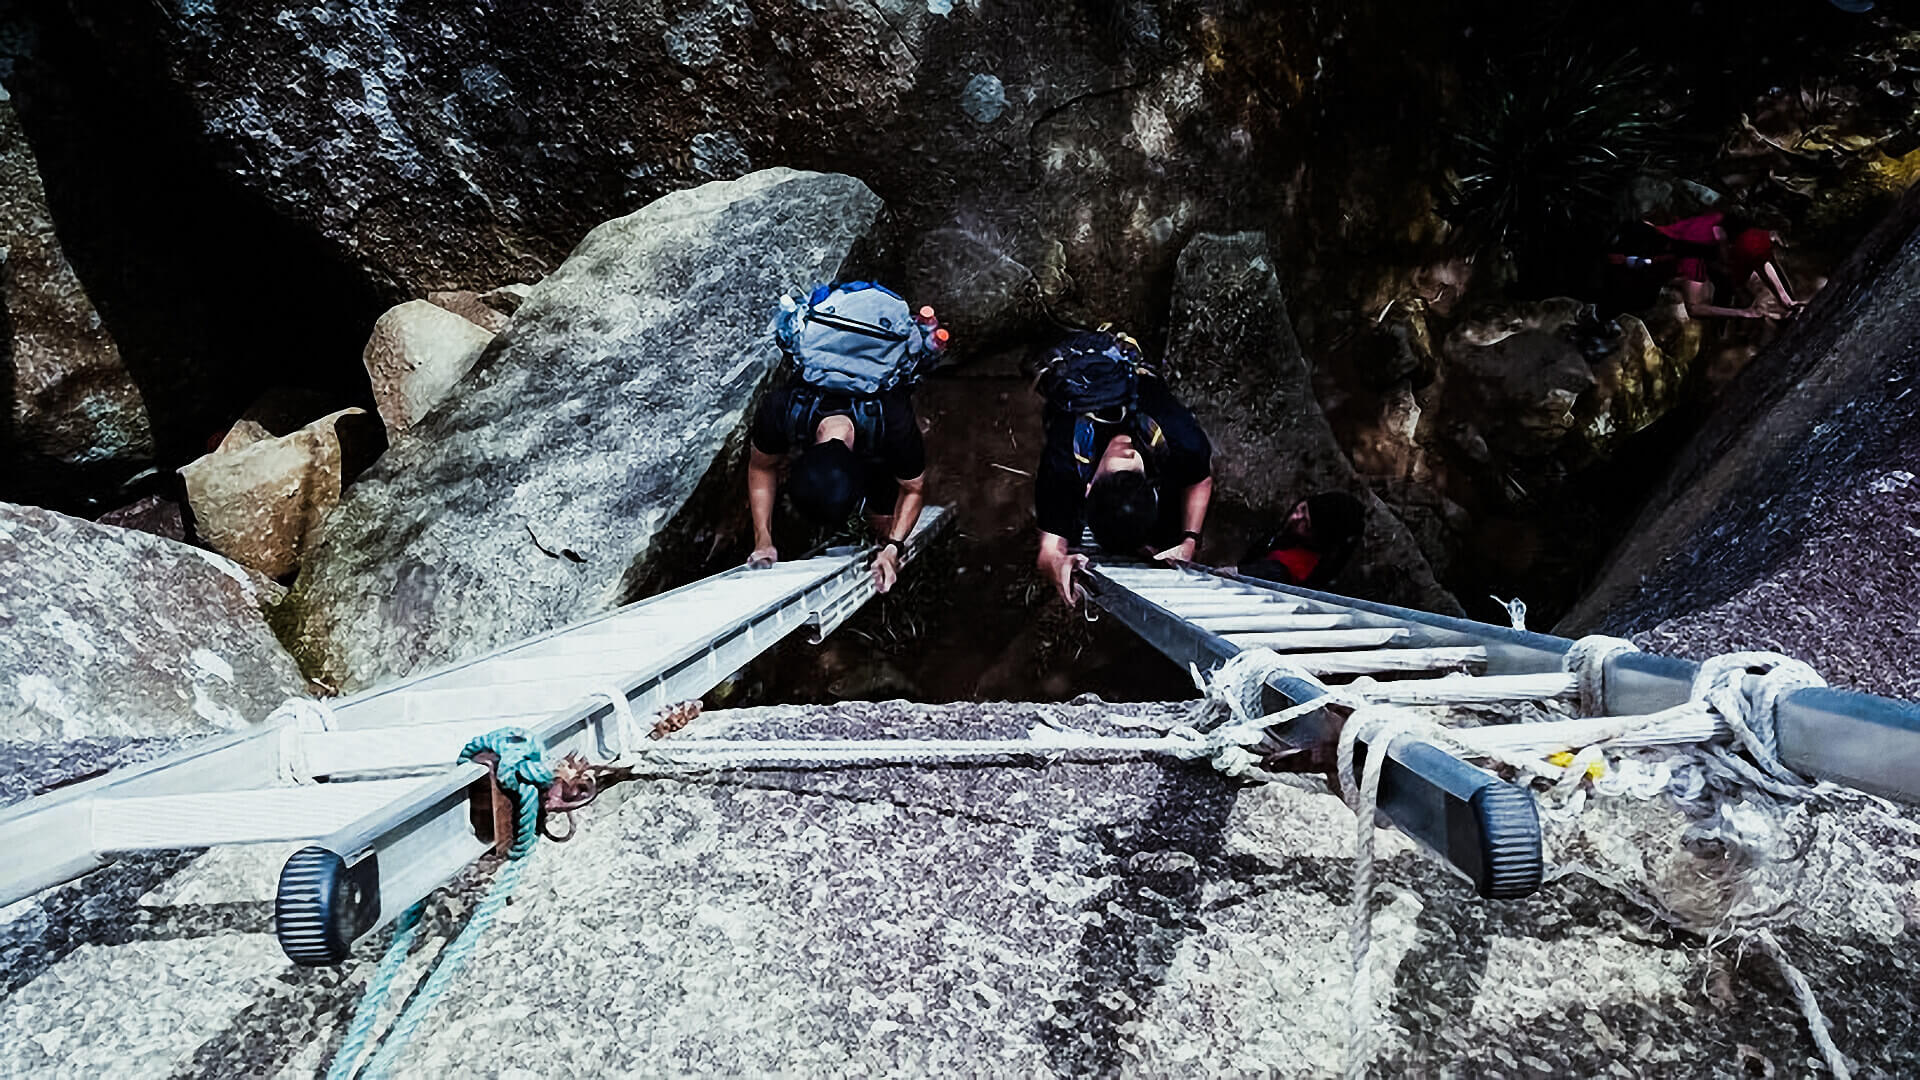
855, 338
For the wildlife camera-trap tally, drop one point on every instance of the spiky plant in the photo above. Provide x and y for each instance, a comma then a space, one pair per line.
1544, 146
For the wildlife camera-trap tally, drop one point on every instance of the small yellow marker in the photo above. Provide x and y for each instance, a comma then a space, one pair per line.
1564, 758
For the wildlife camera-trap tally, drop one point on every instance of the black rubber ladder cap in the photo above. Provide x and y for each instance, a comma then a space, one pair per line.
322, 906
1513, 865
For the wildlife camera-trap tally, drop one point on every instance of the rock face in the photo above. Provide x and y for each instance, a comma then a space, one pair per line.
1792, 520
258, 498
111, 632
417, 352
540, 491
1233, 359
1129, 919
1078, 144
74, 426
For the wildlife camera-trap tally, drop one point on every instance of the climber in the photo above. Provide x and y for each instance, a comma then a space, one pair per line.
1119, 451
854, 351
1718, 255
1311, 547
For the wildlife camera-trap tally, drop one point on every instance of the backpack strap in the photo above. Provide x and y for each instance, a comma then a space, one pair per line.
807, 408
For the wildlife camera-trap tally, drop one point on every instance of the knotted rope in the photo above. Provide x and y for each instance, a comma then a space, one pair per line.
525, 775
1587, 662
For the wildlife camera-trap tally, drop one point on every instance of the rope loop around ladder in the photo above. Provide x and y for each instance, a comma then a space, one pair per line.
1720, 685
524, 774
1587, 663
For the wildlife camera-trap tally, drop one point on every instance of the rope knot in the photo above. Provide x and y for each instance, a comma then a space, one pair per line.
1587, 663
1721, 685
522, 771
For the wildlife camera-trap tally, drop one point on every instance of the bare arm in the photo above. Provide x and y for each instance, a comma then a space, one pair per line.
906, 511
1779, 285
763, 480
1058, 564
1193, 517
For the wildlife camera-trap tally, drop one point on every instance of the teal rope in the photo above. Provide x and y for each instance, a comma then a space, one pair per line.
376, 994
524, 774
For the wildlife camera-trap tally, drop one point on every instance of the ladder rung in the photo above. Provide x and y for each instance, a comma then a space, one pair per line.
1321, 639
257, 816
1265, 622
1467, 689
1382, 661
1220, 609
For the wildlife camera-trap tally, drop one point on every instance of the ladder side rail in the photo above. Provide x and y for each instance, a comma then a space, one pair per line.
1486, 829
390, 859
49, 838
1861, 740
347, 885
829, 566
1867, 742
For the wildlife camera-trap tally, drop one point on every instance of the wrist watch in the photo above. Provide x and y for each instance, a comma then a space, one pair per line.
890, 542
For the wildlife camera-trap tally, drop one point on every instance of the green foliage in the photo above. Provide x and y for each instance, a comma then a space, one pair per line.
1545, 144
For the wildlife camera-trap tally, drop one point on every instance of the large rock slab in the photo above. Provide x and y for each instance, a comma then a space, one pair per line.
1792, 520
1232, 357
585, 429
258, 497
75, 425
1130, 919
112, 632
416, 353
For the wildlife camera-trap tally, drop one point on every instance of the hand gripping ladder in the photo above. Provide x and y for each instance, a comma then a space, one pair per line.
369, 779
1483, 826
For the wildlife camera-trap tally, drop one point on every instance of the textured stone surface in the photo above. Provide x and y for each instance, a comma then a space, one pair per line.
153, 514
417, 352
1129, 919
1234, 360
107, 631
585, 429
257, 500
1792, 521
75, 425
473, 307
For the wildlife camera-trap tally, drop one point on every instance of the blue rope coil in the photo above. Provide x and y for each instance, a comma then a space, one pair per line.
524, 774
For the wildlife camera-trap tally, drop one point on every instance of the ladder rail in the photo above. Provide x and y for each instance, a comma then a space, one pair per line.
1864, 741
74, 829
1483, 827
393, 857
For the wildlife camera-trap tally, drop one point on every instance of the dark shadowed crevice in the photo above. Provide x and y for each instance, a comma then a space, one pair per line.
210, 295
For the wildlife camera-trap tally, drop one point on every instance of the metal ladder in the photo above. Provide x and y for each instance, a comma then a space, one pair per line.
370, 779
1484, 827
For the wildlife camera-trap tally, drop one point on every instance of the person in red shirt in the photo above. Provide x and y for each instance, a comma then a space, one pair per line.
1314, 543
1719, 255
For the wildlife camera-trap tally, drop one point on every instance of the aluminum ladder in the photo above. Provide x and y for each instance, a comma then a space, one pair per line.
370, 779
1484, 827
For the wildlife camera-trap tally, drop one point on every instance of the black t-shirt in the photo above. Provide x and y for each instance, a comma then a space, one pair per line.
899, 448
1059, 493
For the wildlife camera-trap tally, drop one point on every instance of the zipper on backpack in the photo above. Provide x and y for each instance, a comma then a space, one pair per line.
854, 326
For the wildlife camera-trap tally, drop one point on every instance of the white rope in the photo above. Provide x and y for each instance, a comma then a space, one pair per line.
1587, 662
1381, 726
1809, 1004
298, 717
627, 733
1720, 682
1045, 742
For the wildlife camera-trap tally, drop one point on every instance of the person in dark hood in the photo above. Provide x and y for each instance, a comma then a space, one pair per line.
1312, 545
